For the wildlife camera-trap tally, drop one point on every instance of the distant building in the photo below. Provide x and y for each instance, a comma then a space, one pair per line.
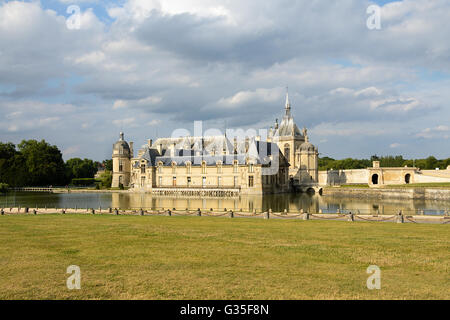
377, 176
220, 165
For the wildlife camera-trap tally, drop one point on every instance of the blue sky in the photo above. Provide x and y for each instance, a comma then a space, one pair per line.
151, 67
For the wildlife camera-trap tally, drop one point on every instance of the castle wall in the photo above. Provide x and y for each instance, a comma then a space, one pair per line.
210, 177
340, 177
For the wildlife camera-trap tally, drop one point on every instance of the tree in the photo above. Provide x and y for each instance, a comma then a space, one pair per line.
106, 179
77, 168
7, 155
431, 163
108, 164
43, 163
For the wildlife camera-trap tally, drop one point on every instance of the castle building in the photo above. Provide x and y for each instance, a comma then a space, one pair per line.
302, 156
218, 165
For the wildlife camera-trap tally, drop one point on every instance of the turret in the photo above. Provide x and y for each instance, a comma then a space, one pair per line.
121, 156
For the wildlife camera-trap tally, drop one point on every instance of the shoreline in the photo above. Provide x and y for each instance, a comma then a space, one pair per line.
389, 193
266, 215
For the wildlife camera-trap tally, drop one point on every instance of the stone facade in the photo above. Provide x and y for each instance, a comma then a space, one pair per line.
303, 157
378, 176
219, 164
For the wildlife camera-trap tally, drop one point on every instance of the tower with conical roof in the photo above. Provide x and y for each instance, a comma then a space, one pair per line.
289, 139
122, 154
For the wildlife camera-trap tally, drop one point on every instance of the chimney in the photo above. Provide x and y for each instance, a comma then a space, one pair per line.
150, 143
131, 149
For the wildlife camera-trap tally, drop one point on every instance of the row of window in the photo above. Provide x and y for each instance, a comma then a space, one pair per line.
189, 168
251, 181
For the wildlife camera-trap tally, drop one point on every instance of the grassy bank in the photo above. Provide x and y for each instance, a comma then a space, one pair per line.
132, 257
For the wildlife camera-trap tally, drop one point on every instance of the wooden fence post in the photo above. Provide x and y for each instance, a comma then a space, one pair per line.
400, 217
351, 217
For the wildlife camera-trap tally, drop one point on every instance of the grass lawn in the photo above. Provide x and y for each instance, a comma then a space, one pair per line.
134, 257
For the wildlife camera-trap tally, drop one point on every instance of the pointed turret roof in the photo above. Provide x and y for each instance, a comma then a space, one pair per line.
288, 104
287, 126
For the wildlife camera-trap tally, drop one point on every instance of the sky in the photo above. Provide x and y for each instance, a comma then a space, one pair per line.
149, 67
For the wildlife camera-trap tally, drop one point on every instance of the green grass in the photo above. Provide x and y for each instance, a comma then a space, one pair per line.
133, 257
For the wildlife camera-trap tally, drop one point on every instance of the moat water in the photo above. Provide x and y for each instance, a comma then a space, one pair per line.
278, 203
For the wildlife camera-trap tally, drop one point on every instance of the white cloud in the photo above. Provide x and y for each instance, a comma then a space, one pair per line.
225, 61
395, 145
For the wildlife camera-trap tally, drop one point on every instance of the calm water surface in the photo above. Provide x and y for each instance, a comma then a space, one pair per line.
291, 202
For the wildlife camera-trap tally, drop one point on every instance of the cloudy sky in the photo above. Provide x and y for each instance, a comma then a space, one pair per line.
148, 67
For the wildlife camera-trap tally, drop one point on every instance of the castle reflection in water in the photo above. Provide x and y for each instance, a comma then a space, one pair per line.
278, 203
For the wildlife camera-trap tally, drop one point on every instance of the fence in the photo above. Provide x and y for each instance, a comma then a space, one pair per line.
400, 217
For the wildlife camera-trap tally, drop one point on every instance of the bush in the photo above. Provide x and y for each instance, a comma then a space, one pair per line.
84, 182
106, 179
3, 188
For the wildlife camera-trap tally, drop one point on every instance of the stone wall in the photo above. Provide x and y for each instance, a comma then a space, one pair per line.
398, 193
339, 177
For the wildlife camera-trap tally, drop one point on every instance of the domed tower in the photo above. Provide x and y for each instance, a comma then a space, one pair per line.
289, 139
122, 154
309, 162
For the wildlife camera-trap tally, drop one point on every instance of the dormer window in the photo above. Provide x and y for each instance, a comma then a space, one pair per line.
174, 167
204, 167
160, 165
188, 167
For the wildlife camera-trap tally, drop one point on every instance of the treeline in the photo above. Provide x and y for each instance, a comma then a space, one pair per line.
430, 163
36, 163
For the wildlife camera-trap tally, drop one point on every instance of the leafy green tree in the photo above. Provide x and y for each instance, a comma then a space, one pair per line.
3, 188
108, 164
431, 163
43, 163
77, 168
7, 155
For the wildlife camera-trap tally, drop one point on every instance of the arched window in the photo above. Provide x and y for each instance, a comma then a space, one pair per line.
287, 151
120, 166
408, 179
235, 166
375, 179
160, 166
